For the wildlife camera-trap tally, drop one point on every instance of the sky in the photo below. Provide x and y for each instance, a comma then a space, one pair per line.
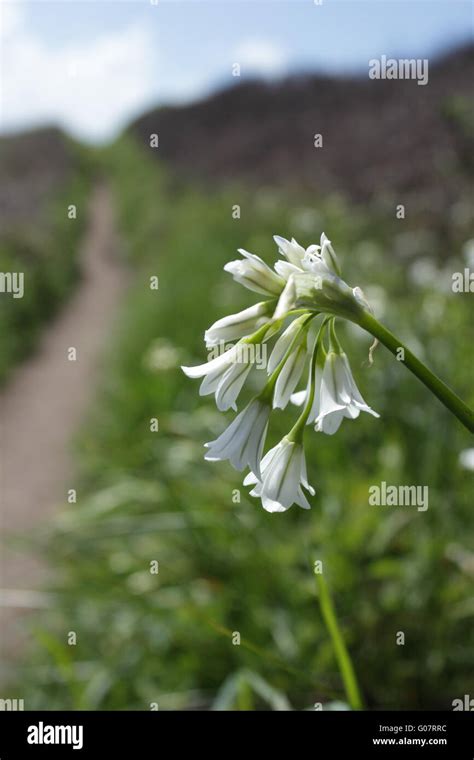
90, 66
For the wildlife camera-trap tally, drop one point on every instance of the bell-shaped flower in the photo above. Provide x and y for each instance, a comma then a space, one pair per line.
255, 275
243, 440
300, 397
285, 341
224, 375
316, 259
293, 252
238, 325
287, 299
339, 395
359, 295
314, 263
328, 255
289, 376
291, 344
283, 473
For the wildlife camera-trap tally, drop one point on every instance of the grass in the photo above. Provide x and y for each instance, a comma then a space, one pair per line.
45, 252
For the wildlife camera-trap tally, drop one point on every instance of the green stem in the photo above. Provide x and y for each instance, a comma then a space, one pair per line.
333, 341
296, 432
340, 650
447, 396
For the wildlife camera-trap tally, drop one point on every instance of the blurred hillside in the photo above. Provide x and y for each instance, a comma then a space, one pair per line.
34, 166
381, 138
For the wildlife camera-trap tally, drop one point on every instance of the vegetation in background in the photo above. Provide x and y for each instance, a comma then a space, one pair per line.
225, 566
42, 175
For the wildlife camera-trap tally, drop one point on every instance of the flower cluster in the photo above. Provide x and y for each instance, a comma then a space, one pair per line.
305, 284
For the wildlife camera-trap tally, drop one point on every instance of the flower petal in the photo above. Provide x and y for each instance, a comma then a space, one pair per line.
289, 377
230, 385
218, 362
284, 342
243, 440
293, 251
285, 269
254, 274
238, 325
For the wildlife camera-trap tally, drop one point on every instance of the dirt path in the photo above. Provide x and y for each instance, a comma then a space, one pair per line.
41, 409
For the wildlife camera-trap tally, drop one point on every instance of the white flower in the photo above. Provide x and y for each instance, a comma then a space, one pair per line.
283, 472
313, 261
285, 269
284, 342
231, 384
316, 259
242, 442
301, 397
293, 339
466, 459
238, 325
306, 283
255, 275
328, 255
360, 296
287, 299
289, 376
294, 254
339, 395
224, 376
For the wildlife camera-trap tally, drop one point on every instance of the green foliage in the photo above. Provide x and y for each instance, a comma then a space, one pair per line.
227, 567
45, 252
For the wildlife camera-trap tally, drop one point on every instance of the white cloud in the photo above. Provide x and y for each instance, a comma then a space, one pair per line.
11, 17
260, 56
89, 87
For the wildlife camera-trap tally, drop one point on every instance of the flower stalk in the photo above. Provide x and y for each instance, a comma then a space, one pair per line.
340, 650
439, 388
